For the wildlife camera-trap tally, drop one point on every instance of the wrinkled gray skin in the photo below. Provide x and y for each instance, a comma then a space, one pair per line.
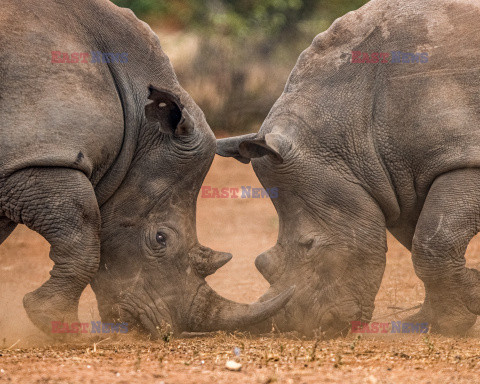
356, 149
107, 177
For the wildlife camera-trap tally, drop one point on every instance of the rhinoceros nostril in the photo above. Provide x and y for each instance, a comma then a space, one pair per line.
327, 322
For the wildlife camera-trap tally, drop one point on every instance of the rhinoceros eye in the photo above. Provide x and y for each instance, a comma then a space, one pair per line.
161, 239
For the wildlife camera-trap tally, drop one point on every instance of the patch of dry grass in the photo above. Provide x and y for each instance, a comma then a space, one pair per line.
276, 358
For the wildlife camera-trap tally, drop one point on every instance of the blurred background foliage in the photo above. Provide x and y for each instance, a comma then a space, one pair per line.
234, 56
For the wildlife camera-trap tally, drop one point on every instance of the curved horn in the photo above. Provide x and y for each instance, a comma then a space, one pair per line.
211, 312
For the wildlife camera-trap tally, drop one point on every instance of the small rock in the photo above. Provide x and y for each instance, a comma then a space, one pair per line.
233, 365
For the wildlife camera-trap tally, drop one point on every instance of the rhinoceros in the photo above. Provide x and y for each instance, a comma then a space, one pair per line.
361, 142
105, 160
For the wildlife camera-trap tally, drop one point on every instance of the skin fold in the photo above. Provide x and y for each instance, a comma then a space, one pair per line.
360, 148
105, 161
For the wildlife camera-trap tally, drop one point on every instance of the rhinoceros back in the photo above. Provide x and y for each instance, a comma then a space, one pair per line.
424, 117
54, 114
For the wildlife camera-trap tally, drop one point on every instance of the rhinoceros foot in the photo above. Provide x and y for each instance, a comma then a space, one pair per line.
444, 314
45, 308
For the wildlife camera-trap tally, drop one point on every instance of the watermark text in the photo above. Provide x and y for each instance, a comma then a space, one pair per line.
394, 57
243, 192
392, 327
92, 327
94, 57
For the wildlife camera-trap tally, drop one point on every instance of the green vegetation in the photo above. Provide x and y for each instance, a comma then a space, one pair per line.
241, 17
246, 49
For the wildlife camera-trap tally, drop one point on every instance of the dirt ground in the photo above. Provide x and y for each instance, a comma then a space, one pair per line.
244, 227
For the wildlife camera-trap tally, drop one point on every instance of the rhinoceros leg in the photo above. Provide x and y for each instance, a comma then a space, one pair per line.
449, 219
60, 205
6, 228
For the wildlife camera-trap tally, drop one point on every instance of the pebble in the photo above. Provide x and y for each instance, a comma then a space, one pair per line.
233, 365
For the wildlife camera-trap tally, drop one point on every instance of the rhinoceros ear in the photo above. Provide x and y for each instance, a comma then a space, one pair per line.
168, 112
229, 147
274, 145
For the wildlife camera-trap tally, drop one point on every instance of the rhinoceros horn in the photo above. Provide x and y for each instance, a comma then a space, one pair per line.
212, 312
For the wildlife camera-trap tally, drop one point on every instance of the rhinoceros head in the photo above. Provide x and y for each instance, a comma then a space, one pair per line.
320, 246
152, 269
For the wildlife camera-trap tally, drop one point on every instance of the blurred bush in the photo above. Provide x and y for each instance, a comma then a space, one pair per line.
244, 50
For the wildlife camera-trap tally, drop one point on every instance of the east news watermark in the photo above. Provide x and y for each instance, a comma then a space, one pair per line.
393, 57
93, 57
391, 327
92, 327
243, 192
